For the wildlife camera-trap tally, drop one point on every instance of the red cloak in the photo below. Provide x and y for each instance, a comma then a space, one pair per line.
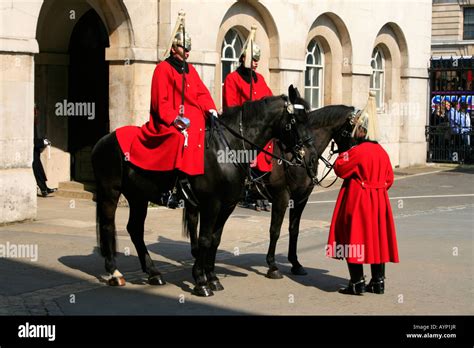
362, 219
237, 91
158, 145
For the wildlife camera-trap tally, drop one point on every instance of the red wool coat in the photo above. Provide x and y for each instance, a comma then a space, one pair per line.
237, 91
158, 145
362, 218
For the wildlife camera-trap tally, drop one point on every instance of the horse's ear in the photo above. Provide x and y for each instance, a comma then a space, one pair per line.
293, 94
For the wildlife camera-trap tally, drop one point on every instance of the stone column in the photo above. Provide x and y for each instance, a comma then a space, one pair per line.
130, 74
17, 183
414, 89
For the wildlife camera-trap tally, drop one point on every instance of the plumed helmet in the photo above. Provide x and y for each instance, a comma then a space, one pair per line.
178, 40
255, 52
367, 119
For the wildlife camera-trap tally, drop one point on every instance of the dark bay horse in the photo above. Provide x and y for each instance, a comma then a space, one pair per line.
217, 191
287, 184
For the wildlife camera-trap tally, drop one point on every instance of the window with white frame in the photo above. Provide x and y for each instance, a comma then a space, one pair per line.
377, 80
231, 48
468, 29
314, 75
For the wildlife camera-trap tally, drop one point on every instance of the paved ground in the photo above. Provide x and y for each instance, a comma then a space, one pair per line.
433, 207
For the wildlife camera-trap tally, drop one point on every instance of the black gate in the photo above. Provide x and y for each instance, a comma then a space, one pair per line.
450, 133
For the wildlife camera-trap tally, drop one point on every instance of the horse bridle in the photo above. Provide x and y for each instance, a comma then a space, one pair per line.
351, 121
298, 148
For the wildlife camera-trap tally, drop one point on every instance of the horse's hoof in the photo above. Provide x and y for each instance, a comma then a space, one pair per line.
116, 281
156, 280
274, 274
299, 270
216, 285
202, 291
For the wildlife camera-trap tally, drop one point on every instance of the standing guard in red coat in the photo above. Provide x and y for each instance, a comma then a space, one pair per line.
173, 138
245, 84
362, 227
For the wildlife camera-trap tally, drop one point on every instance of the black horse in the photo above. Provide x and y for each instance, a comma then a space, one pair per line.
288, 184
291, 186
217, 191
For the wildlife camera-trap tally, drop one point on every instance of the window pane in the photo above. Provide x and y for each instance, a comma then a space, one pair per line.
307, 80
317, 55
379, 61
373, 64
315, 101
377, 81
238, 46
468, 23
309, 59
229, 36
316, 72
379, 99
307, 96
229, 53
225, 69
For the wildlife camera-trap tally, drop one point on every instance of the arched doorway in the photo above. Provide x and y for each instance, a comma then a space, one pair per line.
88, 92
77, 73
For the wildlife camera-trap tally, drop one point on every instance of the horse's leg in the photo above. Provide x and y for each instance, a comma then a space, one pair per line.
136, 229
107, 200
211, 276
191, 219
295, 218
208, 215
280, 203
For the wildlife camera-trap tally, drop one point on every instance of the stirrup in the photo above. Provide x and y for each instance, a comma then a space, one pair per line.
187, 192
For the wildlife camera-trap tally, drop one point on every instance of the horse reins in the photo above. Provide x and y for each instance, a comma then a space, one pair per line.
352, 120
240, 135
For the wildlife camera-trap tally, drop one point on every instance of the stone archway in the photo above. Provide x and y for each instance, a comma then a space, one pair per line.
395, 122
88, 89
241, 16
331, 33
72, 35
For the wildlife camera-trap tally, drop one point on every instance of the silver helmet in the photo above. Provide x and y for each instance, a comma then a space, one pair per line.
178, 40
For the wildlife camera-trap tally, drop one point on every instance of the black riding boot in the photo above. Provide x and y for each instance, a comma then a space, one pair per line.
377, 284
357, 283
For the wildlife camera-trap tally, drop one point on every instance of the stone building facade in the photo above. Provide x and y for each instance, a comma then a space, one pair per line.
105, 51
453, 28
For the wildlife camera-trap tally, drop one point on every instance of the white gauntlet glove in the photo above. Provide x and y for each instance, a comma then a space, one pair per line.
213, 112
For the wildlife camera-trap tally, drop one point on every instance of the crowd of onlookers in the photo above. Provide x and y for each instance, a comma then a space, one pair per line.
453, 114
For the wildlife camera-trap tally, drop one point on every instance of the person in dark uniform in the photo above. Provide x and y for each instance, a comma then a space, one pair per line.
39, 144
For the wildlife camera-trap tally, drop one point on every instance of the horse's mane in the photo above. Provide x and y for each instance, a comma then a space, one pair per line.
329, 116
252, 109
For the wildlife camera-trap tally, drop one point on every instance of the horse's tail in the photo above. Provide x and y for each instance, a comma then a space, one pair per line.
107, 163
